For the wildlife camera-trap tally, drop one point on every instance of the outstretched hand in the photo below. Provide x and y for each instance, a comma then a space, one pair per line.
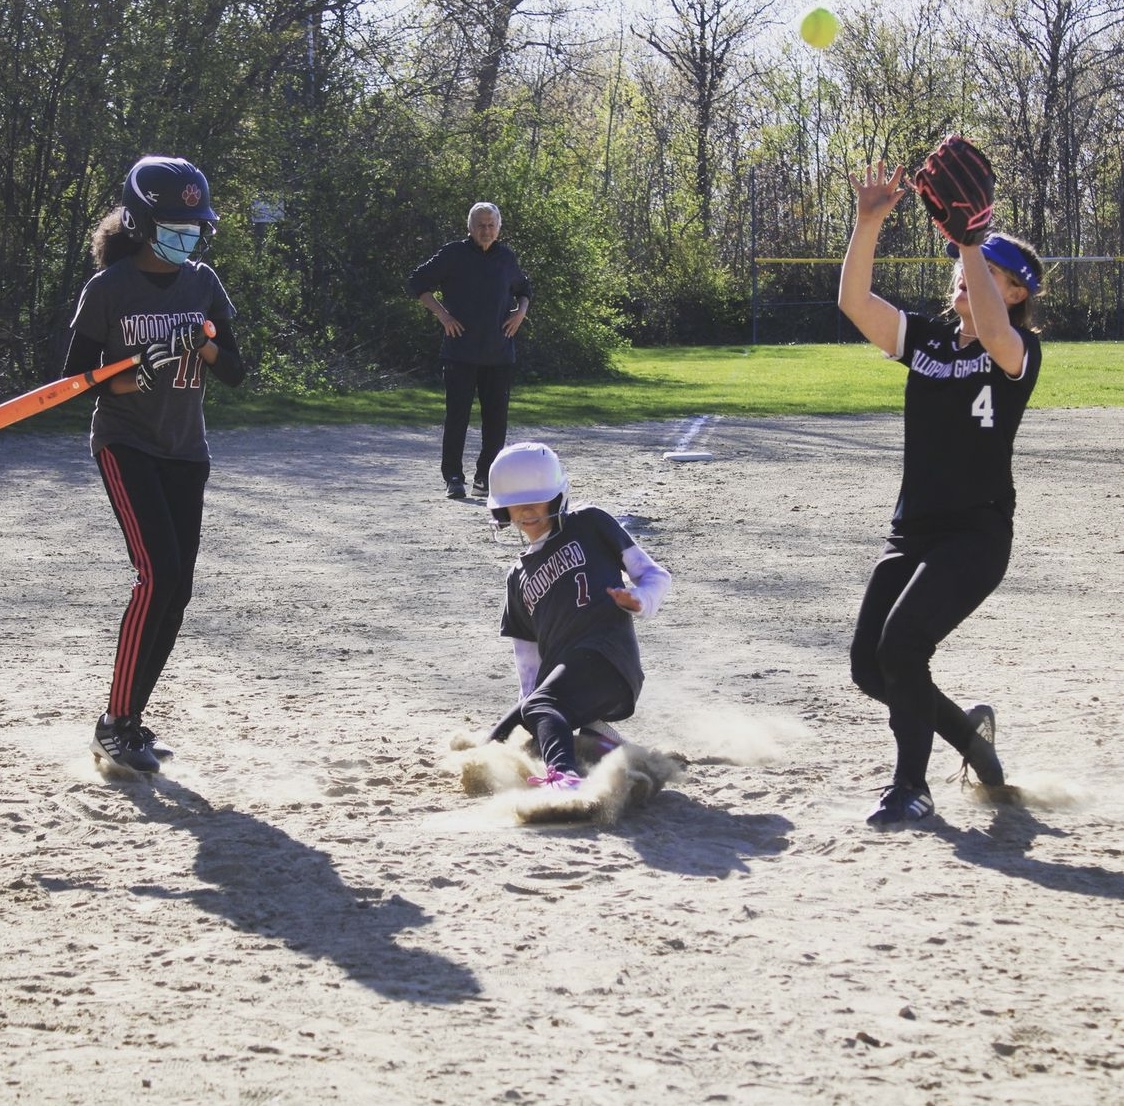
625, 599
877, 194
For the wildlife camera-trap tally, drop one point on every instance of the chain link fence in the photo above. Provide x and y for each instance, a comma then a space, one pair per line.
793, 300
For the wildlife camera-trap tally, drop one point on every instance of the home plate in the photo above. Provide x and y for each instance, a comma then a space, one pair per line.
688, 455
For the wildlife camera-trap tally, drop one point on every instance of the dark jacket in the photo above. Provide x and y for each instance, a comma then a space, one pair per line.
479, 288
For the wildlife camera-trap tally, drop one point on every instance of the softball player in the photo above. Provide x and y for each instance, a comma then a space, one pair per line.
568, 611
148, 436
969, 378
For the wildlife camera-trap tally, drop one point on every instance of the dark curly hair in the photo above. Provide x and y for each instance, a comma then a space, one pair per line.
111, 242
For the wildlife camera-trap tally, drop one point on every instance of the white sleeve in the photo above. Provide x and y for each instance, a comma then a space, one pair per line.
527, 662
650, 581
896, 355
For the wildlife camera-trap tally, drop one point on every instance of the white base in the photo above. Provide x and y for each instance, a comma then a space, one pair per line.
686, 455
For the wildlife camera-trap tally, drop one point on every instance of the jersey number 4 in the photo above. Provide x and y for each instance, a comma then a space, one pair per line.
982, 408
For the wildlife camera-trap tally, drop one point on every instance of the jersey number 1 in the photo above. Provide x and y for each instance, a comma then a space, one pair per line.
982, 408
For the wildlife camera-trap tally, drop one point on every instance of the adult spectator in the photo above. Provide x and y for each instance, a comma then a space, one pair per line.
478, 293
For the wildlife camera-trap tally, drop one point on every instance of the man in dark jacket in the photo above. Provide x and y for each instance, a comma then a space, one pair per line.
484, 297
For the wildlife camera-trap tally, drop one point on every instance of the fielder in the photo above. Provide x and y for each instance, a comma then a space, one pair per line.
148, 437
969, 377
568, 612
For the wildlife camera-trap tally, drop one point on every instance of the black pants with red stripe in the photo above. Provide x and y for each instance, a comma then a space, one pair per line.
159, 506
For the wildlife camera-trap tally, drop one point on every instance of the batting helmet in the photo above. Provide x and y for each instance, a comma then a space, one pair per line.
165, 190
527, 472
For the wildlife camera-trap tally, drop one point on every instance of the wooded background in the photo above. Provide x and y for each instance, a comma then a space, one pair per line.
650, 159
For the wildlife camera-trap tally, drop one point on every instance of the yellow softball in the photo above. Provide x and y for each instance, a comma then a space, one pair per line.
819, 27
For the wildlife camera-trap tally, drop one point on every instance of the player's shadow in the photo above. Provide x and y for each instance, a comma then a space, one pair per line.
678, 834
264, 881
1006, 845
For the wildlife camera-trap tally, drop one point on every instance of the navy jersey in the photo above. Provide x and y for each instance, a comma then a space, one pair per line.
556, 595
961, 416
479, 288
124, 310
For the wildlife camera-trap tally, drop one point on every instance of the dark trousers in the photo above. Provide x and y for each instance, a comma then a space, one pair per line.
921, 589
159, 506
584, 688
463, 382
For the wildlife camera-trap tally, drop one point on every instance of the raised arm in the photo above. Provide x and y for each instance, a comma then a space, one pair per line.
989, 298
876, 319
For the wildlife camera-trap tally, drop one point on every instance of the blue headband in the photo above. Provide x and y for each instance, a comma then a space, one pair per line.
1004, 253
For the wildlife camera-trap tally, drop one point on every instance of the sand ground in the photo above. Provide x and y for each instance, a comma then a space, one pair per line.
305, 908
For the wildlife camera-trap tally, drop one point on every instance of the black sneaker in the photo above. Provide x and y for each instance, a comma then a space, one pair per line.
158, 749
480, 487
598, 739
121, 743
981, 756
454, 489
901, 802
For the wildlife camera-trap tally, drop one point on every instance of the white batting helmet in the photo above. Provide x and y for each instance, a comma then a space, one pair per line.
527, 472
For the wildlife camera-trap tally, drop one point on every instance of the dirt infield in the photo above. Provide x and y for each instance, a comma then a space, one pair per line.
306, 909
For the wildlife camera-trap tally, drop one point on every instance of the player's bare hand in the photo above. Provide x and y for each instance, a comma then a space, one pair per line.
452, 325
512, 323
877, 193
624, 599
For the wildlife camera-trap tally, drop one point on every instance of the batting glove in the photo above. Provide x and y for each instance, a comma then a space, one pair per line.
154, 360
186, 337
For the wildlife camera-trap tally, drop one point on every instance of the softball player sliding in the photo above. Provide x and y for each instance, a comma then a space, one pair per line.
148, 435
568, 611
969, 378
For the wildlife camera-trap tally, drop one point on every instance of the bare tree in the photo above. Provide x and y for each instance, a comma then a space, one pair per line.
1050, 68
701, 40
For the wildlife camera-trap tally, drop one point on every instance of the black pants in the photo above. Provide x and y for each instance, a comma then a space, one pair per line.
922, 588
159, 506
463, 382
585, 687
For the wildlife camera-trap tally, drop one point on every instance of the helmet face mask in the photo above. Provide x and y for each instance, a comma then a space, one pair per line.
170, 193
176, 242
528, 472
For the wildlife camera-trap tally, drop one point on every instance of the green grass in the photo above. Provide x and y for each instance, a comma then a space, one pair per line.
664, 384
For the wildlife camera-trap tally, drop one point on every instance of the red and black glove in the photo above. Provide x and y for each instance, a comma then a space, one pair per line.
957, 186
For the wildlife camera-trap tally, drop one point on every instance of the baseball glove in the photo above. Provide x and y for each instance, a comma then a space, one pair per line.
957, 186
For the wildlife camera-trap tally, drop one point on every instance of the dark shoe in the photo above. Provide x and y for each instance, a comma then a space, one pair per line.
154, 745
597, 739
121, 743
480, 487
454, 489
981, 756
900, 803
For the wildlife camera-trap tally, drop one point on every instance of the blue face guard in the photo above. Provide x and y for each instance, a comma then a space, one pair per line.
176, 242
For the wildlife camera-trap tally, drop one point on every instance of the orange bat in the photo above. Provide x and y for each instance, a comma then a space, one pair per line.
59, 391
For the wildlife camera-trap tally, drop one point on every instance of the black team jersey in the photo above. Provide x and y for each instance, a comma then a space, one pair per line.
556, 595
961, 416
123, 310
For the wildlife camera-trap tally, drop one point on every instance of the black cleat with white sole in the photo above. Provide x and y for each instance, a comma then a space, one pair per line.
981, 756
120, 742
